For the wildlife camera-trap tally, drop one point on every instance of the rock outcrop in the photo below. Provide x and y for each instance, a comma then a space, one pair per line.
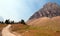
49, 10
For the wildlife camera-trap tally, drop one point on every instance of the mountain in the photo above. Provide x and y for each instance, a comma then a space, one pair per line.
46, 23
49, 10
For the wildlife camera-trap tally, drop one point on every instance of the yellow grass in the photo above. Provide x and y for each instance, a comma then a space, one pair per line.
39, 27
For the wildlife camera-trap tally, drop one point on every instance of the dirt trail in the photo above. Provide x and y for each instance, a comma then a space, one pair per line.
6, 31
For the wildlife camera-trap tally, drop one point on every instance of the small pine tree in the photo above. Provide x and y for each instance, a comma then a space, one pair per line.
12, 22
23, 22
0, 22
7, 21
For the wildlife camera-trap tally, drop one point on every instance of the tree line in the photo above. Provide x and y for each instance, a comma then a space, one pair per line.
13, 22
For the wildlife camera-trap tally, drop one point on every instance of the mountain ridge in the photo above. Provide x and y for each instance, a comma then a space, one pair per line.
49, 10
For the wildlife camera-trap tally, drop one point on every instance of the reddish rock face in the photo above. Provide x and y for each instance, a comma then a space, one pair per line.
48, 10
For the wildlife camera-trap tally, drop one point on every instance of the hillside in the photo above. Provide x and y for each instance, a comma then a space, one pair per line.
48, 23
49, 10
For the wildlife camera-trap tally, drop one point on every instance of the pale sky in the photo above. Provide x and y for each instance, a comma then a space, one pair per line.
21, 9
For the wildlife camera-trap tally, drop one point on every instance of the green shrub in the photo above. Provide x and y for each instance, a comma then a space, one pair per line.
7, 21
23, 22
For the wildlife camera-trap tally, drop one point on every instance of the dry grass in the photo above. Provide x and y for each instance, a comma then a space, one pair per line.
15, 27
39, 27
48, 23
39, 33
2, 26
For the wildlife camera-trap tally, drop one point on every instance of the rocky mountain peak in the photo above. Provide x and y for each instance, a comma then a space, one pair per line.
49, 10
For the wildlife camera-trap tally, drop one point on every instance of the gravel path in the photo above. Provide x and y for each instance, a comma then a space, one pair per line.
6, 31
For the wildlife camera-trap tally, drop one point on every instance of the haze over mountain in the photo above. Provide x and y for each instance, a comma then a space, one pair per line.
49, 10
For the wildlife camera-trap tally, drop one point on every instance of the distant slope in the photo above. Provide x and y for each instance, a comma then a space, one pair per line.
49, 10
45, 22
39, 22
44, 27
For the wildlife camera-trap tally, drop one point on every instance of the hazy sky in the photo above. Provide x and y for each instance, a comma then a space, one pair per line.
21, 9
